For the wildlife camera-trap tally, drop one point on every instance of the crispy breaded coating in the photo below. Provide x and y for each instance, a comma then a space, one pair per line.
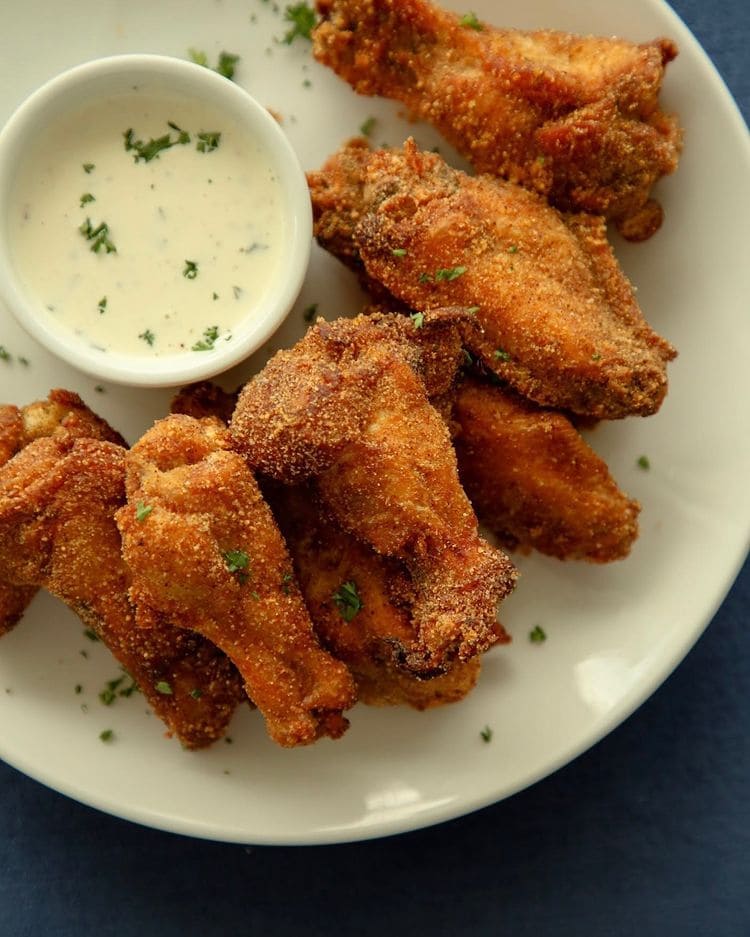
373, 630
58, 497
535, 482
63, 412
575, 118
203, 399
208, 555
561, 322
347, 406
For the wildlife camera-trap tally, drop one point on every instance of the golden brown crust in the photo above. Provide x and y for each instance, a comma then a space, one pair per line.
374, 639
560, 320
57, 531
347, 406
62, 413
535, 482
204, 399
206, 515
576, 118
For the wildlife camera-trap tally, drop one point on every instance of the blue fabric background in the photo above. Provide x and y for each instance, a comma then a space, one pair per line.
648, 833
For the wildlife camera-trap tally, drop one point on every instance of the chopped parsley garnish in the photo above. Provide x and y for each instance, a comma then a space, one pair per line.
237, 563
470, 21
78, 688
209, 338
91, 635
449, 273
86, 198
302, 17
99, 389
309, 314
5, 355
183, 136
109, 694
164, 688
107, 735
643, 462
468, 360
102, 304
501, 355
208, 141
417, 319
472, 310
150, 149
142, 511
425, 278
225, 66
537, 635
486, 734
88, 168
367, 127
513, 249
99, 236
347, 600
199, 57
147, 336
196, 693
286, 579
596, 356
191, 270
399, 252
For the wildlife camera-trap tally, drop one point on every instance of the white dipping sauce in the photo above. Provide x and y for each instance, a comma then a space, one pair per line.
197, 235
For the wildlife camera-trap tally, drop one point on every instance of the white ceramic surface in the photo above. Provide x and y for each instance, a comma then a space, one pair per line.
101, 80
614, 633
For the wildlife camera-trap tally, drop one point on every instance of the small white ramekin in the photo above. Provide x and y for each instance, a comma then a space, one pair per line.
84, 85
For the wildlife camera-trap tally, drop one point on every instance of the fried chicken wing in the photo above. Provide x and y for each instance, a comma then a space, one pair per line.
535, 482
360, 604
575, 118
57, 531
205, 552
560, 320
63, 412
347, 406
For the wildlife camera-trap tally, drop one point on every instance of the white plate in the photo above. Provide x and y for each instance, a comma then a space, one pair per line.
614, 633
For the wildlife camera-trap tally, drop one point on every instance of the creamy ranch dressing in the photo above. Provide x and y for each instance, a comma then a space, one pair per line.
218, 210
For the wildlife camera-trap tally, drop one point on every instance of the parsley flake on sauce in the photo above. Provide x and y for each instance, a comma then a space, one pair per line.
347, 600
107, 735
86, 198
208, 141
164, 688
191, 270
147, 336
99, 236
537, 635
309, 314
209, 339
302, 17
88, 168
486, 734
643, 463
102, 304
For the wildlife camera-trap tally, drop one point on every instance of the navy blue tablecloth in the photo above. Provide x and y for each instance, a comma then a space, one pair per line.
646, 834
